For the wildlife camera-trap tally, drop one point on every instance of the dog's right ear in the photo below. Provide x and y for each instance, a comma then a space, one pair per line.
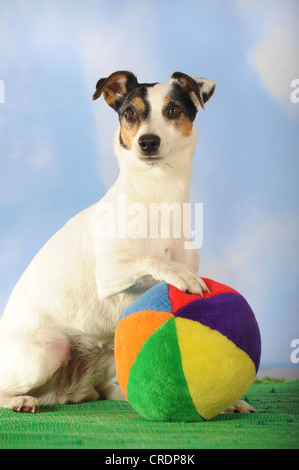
115, 87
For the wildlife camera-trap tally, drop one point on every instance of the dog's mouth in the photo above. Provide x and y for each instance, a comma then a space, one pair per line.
151, 159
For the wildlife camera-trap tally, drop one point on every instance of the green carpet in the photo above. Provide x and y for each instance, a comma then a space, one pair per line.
115, 425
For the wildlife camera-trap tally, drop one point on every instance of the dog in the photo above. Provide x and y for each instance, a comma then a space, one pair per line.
57, 330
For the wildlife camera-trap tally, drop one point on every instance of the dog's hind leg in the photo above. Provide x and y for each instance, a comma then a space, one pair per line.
110, 391
22, 403
26, 362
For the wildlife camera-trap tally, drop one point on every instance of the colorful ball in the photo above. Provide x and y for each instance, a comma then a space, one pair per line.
181, 357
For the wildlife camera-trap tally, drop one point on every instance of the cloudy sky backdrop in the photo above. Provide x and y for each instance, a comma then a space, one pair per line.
56, 155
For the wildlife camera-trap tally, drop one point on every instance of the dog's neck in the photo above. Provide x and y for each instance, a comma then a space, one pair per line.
159, 183
155, 185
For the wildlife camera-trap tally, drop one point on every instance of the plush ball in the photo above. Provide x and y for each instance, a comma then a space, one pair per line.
181, 357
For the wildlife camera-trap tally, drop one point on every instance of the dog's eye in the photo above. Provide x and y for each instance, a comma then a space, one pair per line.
173, 112
130, 114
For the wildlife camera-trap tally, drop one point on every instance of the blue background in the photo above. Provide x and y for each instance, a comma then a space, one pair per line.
56, 154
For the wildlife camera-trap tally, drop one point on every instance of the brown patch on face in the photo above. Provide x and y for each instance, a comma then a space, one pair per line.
128, 132
174, 115
129, 129
138, 104
185, 126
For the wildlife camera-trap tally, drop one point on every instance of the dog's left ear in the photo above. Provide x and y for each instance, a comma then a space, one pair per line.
200, 90
115, 87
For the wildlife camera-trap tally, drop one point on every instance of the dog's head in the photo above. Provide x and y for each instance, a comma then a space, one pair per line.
156, 120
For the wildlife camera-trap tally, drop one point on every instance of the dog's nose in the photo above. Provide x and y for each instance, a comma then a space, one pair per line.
149, 143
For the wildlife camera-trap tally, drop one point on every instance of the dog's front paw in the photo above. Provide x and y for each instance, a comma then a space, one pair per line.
240, 406
185, 280
24, 404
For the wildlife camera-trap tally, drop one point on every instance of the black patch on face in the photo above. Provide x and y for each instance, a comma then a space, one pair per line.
132, 91
138, 92
179, 95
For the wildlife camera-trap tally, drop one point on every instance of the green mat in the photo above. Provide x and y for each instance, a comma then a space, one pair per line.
115, 425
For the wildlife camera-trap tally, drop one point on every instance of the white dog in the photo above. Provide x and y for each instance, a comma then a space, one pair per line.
56, 333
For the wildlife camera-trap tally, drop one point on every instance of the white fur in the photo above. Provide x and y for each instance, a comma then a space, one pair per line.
56, 333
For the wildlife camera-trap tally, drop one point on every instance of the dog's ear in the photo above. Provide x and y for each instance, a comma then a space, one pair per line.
115, 87
200, 90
